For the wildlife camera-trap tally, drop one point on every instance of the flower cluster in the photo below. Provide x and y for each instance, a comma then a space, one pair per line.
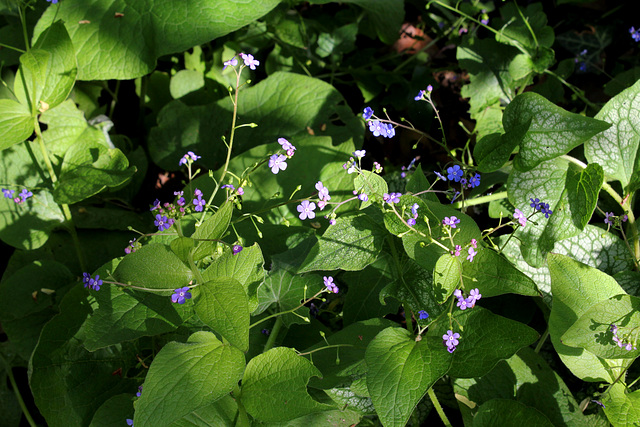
612, 220
414, 212
422, 95
278, 162
188, 158
377, 127
168, 214
249, 61
133, 246
521, 217
635, 34
180, 295
323, 195
470, 301
139, 392
331, 287
456, 174
406, 169
621, 341
580, 60
541, 206
450, 340
90, 282
20, 199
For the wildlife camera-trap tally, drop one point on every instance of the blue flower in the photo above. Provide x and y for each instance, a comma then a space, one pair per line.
189, 157
162, 222
439, 175
237, 249
635, 34
474, 181
414, 210
139, 393
367, 113
129, 420
230, 63
277, 162
181, 295
8, 193
199, 202
451, 222
92, 283
607, 219
411, 221
249, 61
306, 210
454, 173
423, 314
25, 194
420, 95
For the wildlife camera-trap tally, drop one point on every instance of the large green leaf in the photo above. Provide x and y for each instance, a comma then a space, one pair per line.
144, 31
48, 71
25, 308
616, 149
509, 413
16, 123
622, 408
552, 131
283, 105
527, 378
576, 288
212, 229
28, 225
88, 168
222, 304
186, 376
525, 27
274, 386
400, 371
153, 266
113, 411
69, 383
350, 244
593, 333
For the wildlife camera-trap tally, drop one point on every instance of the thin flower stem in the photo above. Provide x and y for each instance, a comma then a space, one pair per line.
480, 200
16, 391
439, 410
11, 47
274, 334
141, 288
326, 347
264, 319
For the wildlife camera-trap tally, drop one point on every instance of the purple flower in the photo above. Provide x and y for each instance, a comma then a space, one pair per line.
414, 210
485, 21
266, 332
429, 88
54, 2
277, 162
607, 220
332, 221
190, 156
457, 250
8, 193
181, 295
199, 203
474, 295
231, 187
391, 197
323, 192
454, 173
462, 303
162, 222
597, 402
230, 63
544, 208
156, 205
451, 339
472, 253
328, 282
306, 210
359, 153
474, 181
129, 420
249, 61
474, 243
451, 222
240, 191
377, 167
535, 203
180, 201
95, 283
522, 219
420, 95
363, 197
139, 393
613, 327
237, 249
85, 279
423, 315
287, 146
635, 34
411, 221
377, 128
367, 113
25, 194
391, 131
439, 175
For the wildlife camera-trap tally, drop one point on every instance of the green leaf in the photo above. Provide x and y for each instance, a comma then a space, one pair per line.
212, 229
145, 32
28, 225
418, 182
89, 168
124, 315
525, 27
113, 411
583, 187
186, 376
616, 149
16, 123
494, 275
509, 413
362, 302
622, 408
370, 183
48, 71
245, 267
552, 131
24, 308
576, 288
222, 305
446, 276
350, 244
386, 16
182, 246
527, 378
222, 412
493, 150
592, 331
274, 386
401, 371
286, 290
282, 105
339, 364
153, 266
59, 361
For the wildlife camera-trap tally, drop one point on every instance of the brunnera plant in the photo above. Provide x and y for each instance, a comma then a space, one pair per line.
292, 277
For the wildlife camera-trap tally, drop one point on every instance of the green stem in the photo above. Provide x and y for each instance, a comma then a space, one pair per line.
543, 338
243, 417
480, 200
274, 334
16, 391
21, 11
11, 47
439, 410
